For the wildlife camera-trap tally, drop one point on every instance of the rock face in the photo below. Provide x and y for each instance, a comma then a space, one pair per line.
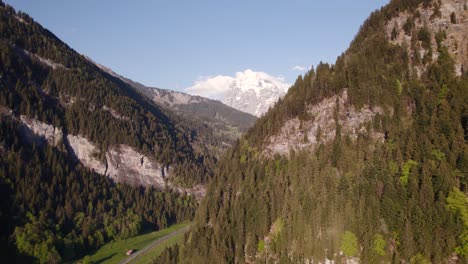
44, 61
86, 152
127, 165
39, 132
456, 32
173, 98
320, 126
114, 113
122, 163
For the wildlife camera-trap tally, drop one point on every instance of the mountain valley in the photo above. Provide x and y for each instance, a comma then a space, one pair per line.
361, 161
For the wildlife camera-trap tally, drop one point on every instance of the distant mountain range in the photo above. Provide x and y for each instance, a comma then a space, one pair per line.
226, 120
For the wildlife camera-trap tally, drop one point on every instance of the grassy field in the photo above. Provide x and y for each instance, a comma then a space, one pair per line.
114, 252
156, 251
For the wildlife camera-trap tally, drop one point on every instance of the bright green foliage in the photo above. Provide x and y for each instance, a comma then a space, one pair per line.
36, 240
405, 171
457, 202
443, 93
86, 260
438, 155
419, 259
462, 249
261, 245
399, 87
379, 244
243, 159
278, 226
349, 244
114, 251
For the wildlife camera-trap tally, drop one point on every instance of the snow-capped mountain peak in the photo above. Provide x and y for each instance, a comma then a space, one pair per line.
249, 91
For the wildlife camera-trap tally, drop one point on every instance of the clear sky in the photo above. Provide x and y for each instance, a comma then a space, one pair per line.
170, 44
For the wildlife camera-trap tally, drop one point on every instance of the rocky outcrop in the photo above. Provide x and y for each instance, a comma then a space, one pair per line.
49, 63
173, 98
456, 32
320, 126
114, 113
86, 152
39, 132
124, 164
121, 162
5, 111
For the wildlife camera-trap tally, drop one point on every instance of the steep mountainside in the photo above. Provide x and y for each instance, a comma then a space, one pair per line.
227, 122
75, 146
100, 117
363, 161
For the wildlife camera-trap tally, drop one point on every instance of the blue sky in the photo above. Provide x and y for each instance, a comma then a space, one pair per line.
170, 44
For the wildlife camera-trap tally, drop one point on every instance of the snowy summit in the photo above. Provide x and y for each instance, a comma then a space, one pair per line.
249, 91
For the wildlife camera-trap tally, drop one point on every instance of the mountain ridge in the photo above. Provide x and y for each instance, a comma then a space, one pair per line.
210, 112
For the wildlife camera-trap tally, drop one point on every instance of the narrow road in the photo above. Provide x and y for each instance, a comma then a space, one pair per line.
158, 241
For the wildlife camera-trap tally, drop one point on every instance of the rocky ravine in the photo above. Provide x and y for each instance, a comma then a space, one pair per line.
122, 163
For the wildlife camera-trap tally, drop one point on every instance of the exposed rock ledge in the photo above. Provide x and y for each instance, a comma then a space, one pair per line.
122, 163
321, 128
41, 131
52, 64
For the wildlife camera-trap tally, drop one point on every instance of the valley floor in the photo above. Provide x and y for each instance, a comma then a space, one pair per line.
150, 244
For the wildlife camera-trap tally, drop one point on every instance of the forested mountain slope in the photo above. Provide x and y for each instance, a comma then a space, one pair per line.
363, 161
225, 124
76, 144
98, 115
